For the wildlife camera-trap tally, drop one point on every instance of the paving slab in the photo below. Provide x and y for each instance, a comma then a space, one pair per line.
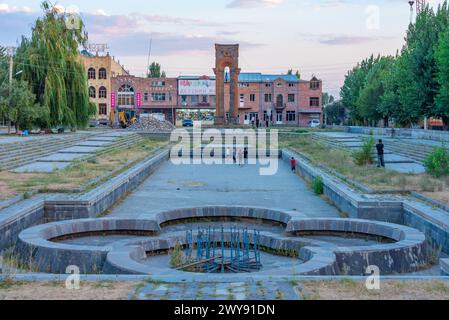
41, 167
406, 167
61, 157
94, 143
78, 149
187, 186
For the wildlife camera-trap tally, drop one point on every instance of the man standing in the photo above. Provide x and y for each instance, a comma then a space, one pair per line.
380, 154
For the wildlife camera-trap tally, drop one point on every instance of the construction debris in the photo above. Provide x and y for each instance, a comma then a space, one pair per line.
152, 124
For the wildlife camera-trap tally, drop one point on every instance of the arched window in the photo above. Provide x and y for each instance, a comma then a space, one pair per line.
102, 92
102, 73
91, 73
125, 96
92, 92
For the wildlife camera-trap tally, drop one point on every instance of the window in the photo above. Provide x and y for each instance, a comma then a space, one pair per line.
184, 100
243, 85
314, 102
194, 99
158, 83
204, 99
279, 84
102, 92
102, 109
266, 117
291, 116
291, 85
268, 97
314, 84
291, 98
125, 95
252, 97
158, 97
145, 96
91, 73
102, 73
92, 93
268, 85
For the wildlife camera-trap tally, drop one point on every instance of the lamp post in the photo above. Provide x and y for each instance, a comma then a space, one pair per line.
10, 52
411, 3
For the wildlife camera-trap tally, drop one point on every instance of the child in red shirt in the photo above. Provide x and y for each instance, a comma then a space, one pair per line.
293, 164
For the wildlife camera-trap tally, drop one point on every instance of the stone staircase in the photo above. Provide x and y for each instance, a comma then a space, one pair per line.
13, 155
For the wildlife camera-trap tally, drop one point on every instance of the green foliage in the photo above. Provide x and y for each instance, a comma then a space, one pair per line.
177, 258
154, 71
409, 86
17, 104
297, 74
335, 113
365, 155
49, 61
437, 163
442, 58
318, 185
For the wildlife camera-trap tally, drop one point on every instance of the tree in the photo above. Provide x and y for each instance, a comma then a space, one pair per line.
335, 113
355, 81
327, 98
18, 104
442, 98
49, 62
418, 88
369, 101
297, 74
154, 71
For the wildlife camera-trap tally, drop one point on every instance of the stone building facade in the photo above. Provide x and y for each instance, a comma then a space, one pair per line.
100, 71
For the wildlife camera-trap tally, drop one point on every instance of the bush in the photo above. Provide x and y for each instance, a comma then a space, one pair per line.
365, 155
437, 163
177, 258
318, 186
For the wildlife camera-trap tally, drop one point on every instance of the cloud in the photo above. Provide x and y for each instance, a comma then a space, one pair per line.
341, 39
253, 3
6, 8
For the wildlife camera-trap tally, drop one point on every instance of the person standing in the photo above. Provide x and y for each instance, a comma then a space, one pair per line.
380, 154
257, 123
293, 164
240, 157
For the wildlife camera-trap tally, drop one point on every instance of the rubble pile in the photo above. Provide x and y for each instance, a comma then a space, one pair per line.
151, 124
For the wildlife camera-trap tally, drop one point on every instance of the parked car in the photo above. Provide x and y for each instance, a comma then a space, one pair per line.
314, 123
187, 123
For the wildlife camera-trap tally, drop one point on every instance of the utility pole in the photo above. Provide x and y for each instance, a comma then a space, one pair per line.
10, 51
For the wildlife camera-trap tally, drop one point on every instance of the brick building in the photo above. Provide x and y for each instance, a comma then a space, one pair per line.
145, 95
100, 71
280, 99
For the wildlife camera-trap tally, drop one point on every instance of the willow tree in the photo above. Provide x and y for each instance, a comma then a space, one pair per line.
49, 62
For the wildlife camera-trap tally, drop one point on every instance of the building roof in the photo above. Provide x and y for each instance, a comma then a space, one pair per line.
252, 77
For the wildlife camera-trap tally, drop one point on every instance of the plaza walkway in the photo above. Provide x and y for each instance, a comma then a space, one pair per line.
189, 186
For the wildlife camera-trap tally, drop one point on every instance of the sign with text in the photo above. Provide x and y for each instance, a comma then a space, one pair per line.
196, 87
112, 100
138, 100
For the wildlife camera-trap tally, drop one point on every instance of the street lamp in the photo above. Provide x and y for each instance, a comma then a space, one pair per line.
411, 3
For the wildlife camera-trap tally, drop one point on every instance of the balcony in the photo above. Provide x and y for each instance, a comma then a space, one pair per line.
279, 106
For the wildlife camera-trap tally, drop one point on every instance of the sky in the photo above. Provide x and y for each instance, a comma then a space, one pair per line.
324, 38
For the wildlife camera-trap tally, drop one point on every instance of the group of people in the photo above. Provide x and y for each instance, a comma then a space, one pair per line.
238, 156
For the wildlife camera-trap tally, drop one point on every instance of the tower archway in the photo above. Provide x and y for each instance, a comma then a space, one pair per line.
227, 56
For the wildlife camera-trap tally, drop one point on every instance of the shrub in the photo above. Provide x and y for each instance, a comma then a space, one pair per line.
177, 258
318, 185
365, 155
437, 163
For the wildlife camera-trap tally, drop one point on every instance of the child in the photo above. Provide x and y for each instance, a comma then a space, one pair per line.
293, 164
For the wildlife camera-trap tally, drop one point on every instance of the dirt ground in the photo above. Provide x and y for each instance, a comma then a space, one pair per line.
389, 290
56, 290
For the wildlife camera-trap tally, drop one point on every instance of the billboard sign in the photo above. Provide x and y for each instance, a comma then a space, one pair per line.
196, 87
138, 100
